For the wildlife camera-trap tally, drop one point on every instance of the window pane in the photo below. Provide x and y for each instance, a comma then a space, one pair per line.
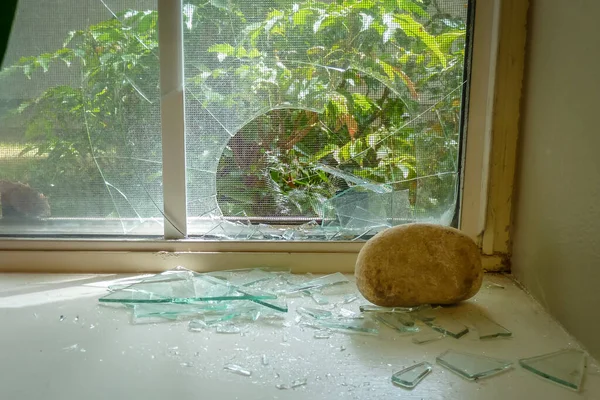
80, 109
323, 120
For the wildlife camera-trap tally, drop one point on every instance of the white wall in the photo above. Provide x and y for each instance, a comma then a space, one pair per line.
556, 250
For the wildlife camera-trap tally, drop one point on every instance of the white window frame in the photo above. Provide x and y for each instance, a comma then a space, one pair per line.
486, 191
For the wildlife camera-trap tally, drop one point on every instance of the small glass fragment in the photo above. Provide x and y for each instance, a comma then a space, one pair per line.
187, 364
264, 360
344, 313
319, 298
62, 318
227, 328
401, 322
71, 348
321, 282
349, 298
197, 325
322, 334
448, 326
411, 376
472, 366
360, 326
488, 329
565, 367
313, 312
295, 384
492, 285
427, 335
377, 309
236, 369
342, 348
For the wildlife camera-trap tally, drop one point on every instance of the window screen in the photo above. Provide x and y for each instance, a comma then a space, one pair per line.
323, 119
80, 144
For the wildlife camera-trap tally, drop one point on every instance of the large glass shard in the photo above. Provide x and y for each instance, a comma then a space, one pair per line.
321, 282
236, 369
472, 366
488, 329
174, 311
180, 285
565, 367
411, 376
448, 326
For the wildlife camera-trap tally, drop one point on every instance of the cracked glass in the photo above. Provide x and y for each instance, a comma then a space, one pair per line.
305, 120
80, 138
321, 120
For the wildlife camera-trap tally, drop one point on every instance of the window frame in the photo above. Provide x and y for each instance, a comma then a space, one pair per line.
486, 186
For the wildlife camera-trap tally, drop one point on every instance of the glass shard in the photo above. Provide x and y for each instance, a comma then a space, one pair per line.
317, 297
314, 312
426, 335
349, 298
321, 282
183, 286
197, 325
492, 285
472, 366
377, 309
322, 334
360, 326
565, 367
448, 326
227, 328
236, 369
399, 322
488, 329
264, 360
411, 376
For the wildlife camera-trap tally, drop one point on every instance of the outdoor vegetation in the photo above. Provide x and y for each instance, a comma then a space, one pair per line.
347, 91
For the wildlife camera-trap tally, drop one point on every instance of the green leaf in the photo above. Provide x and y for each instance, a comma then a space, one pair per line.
414, 29
44, 61
445, 40
301, 17
223, 48
410, 6
387, 68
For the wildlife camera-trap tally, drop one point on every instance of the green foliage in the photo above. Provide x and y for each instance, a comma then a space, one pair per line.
372, 87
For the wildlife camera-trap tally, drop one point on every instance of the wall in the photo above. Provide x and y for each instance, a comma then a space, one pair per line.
556, 250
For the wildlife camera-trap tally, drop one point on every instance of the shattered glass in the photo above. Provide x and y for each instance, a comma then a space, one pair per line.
488, 329
288, 140
319, 283
411, 376
400, 322
448, 326
314, 312
344, 325
427, 335
378, 309
565, 367
472, 366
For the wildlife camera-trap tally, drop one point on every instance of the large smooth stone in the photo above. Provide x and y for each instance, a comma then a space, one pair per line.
415, 264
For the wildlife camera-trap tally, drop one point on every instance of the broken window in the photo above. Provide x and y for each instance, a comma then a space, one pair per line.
304, 120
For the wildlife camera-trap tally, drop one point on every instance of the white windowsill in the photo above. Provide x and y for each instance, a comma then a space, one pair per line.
123, 361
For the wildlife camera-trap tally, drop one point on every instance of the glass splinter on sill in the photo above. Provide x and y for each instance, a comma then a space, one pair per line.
427, 335
197, 325
472, 366
296, 384
448, 326
349, 298
377, 309
236, 369
264, 360
313, 312
488, 329
317, 297
565, 367
322, 334
359, 326
228, 328
321, 282
399, 322
411, 376
492, 285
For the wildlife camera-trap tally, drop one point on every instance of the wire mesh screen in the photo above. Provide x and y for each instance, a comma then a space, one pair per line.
80, 137
322, 119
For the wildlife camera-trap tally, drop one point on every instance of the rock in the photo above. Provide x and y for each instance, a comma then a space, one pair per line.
415, 264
